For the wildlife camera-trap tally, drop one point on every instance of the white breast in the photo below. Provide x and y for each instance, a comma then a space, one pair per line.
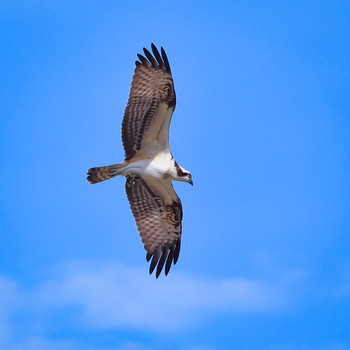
154, 168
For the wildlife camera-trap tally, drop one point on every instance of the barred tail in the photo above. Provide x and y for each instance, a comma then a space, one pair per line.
103, 173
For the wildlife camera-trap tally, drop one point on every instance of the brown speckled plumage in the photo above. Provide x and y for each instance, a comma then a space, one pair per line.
159, 223
152, 84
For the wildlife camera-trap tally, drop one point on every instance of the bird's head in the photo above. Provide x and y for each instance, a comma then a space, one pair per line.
183, 174
189, 179
186, 177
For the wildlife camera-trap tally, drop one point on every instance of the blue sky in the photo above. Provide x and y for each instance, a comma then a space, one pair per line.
262, 122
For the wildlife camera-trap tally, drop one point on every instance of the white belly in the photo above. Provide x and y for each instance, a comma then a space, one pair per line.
154, 168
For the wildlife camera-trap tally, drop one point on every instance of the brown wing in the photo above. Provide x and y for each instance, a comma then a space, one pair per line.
158, 215
152, 86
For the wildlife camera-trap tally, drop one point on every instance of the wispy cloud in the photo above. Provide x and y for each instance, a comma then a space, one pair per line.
9, 295
41, 343
115, 296
111, 296
200, 347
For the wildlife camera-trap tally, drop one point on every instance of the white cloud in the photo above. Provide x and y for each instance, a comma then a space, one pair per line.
110, 296
8, 297
40, 343
200, 347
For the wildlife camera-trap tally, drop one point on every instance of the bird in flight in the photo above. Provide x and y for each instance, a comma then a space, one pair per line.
149, 166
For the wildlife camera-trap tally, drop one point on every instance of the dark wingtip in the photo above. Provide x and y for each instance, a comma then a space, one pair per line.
156, 60
177, 251
153, 264
150, 57
168, 266
158, 260
166, 257
165, 60
153, 47
157, 55
162, 261
142, 59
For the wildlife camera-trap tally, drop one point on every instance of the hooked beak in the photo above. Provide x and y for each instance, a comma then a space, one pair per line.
190, 182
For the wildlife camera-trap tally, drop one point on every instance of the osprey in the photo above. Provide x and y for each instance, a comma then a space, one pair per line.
149, 166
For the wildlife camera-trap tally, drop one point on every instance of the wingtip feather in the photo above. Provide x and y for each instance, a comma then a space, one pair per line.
162, 261
153, 263
177, 251
165, 60
150, 57
157, 56
143, 59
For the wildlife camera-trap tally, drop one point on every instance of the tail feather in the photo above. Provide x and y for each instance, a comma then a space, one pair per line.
103, 173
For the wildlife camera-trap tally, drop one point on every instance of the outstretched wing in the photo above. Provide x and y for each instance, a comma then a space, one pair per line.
158, 214
151, 104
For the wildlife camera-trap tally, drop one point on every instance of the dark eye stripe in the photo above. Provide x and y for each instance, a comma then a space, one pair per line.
179, 170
